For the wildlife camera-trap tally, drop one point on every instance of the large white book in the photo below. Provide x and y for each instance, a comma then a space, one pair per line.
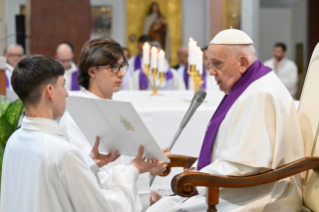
117, 124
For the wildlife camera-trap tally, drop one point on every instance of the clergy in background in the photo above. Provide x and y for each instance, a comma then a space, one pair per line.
65, 55
102, 67
15, 52
172, 80
284, 68
135, 63
41, 170
254, 129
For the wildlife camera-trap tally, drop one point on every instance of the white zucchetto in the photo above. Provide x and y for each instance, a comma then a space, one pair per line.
232, 37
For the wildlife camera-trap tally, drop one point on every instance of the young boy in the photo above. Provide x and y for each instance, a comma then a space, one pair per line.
41, 170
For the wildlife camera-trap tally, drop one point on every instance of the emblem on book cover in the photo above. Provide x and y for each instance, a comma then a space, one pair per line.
127, 125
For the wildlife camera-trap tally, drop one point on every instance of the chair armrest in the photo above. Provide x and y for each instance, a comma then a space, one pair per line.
179, 161
184, 184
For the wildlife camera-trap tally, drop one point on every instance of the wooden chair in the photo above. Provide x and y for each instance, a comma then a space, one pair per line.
184, 184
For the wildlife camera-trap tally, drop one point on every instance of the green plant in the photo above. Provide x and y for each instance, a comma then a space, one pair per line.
10, 114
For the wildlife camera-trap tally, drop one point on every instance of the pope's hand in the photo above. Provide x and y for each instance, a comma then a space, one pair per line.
154, 197
101, 159
161, 165
143, 164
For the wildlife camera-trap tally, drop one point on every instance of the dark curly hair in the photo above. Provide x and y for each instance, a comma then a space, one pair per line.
97, 52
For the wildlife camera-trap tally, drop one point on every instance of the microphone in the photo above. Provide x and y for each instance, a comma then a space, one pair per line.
197, 100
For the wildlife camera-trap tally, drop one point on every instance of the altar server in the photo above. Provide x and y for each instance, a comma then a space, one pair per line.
172, 80
42, 171
15, 52
284, 68
134, 63
102, 67
65, 55
254, 129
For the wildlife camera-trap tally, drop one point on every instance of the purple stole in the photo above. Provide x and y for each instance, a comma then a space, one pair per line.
74, 83
143, 79
186, 77
7, 82
253, 73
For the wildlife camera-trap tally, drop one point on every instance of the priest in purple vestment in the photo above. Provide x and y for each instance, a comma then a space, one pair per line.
254, 129
65, 54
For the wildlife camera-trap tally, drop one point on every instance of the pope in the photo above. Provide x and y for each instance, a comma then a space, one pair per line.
254, 129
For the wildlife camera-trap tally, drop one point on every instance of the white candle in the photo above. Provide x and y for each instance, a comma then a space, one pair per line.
154, 57
146, 54
192, 52
200, 61
161, 61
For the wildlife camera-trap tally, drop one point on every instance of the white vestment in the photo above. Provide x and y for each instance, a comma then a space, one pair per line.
287, 72
260, 132
43, 172
129, 73
109, 172
68, 76
9, 70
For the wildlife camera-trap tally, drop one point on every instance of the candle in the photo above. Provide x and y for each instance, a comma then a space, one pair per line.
146, 54
154, 57
200, 61
192, 52
161, 61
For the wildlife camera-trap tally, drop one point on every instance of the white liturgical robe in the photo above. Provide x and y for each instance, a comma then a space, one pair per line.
109, 172
287, 72
42, 171
260, 132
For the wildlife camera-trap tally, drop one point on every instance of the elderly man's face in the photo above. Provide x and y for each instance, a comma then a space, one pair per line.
182, 56
65, 57
14, 55
224, 66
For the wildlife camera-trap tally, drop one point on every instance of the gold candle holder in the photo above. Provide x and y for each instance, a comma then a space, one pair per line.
155, 75
196, 77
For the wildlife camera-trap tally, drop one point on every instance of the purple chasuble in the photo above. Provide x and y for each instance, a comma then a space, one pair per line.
143, 79
186, 76
253, 73
7, 82
74, 83
204, 78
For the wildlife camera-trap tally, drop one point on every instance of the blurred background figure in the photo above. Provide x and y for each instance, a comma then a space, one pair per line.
65, 54
135, 63
284, 68
172, 81
14, 53
182, 66
127, 53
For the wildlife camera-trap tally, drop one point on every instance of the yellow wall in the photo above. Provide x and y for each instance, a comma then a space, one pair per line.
137, 11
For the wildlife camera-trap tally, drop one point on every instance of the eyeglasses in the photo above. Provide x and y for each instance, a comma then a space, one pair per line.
115, 68
15, 55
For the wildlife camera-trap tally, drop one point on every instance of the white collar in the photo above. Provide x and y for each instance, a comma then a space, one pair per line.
91, 95
72, 69
9, 67
41, 124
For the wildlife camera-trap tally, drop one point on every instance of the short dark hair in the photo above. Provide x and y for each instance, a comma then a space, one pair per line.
32, 74
144, 38
204, 48
282, 45
97, 52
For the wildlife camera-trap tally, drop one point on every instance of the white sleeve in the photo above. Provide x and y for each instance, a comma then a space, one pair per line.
226, 168
84, 191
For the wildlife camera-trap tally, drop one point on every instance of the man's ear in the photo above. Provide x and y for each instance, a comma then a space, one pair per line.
92, 71
48, 91
244, 64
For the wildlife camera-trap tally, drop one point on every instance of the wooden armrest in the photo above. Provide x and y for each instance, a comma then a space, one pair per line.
179, 161
184, 184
